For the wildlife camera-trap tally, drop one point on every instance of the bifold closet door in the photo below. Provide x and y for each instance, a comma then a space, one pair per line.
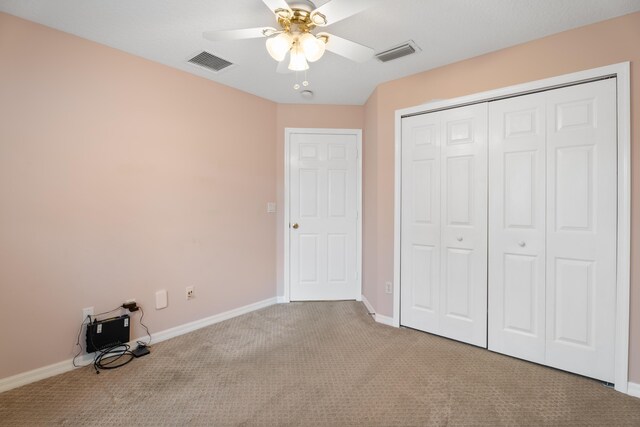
517, 158
444, 223
581, 228
552, 234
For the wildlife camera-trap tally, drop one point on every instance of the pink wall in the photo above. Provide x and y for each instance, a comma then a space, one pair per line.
306, 116
119, 177
604, 43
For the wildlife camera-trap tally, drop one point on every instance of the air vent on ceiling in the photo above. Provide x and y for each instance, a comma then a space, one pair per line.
408, 48
210, 62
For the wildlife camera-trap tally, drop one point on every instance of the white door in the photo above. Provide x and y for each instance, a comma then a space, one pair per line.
420, 238
517, 141
444, 223
323, 216
552, 244
581, 228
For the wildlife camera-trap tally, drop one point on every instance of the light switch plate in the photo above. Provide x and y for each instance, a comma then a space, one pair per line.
271, 207
161, 300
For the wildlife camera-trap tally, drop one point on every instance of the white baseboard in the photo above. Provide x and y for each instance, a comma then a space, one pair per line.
367, 304
38, 374
282, 300
633, 389
216, 318
385, 320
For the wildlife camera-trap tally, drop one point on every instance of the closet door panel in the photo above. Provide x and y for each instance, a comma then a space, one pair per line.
581, 228
420, 236
463, 293
516, 323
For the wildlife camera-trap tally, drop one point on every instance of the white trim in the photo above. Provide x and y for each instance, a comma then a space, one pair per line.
621, 71
35, 375
282, 299
633, 389
397, 203
379, 318
623, 268
385, 320
207, 321
367, 304
287, 135
44, 372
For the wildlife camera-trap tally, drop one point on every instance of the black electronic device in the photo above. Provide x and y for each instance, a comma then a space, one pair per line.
107, 333
141, 350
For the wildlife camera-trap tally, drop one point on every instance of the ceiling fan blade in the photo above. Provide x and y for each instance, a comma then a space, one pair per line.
274, 5
350, 50
283, 66
337, 10
246, 33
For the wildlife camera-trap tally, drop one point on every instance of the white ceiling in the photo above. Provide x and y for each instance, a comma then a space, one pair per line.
170, 32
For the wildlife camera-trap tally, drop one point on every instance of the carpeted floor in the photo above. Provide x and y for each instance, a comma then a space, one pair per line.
320, 363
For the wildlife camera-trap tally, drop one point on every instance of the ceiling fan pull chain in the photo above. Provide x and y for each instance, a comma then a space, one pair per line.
296, 86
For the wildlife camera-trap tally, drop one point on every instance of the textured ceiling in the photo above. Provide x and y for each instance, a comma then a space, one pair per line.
170, 32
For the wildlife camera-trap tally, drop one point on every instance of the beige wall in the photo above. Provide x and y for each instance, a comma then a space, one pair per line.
592, 46
119, 177
306, 116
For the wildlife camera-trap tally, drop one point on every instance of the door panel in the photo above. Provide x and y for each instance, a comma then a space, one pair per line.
520, 289
460, 182
422, 274
464, 231
517, 141
443, 232
420, 231
323, 202
458, 291
581, 228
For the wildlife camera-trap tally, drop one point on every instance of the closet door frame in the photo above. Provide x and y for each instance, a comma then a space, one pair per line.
622, 72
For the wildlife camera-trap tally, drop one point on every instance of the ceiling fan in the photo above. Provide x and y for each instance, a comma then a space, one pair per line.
295, 40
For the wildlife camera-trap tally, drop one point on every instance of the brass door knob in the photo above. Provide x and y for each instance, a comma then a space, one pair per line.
295, 226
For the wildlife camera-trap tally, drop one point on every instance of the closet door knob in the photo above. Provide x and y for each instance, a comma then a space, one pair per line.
459, 238
522, 244
295, 226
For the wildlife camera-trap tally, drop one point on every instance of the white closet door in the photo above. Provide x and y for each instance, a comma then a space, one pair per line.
517, 139
463, 274
420, 232
444, 223
581, 228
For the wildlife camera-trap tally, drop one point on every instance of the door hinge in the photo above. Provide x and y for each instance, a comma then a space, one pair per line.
357, 214
357, 153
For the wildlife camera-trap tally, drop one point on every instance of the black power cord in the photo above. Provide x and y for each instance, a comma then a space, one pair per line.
78, 342
148, 343
110, 357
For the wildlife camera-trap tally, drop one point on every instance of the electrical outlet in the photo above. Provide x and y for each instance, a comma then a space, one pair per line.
388, 287
88, 311
129, 301
190, 293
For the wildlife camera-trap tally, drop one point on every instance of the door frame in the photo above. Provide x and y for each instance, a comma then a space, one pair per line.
323, 131
622, 72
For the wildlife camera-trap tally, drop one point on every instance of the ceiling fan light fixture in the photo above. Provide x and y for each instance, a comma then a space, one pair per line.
298, 62
312, 47
283, 13
279, 45
318, 19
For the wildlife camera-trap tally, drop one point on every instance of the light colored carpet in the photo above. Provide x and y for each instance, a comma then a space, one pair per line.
320, 363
